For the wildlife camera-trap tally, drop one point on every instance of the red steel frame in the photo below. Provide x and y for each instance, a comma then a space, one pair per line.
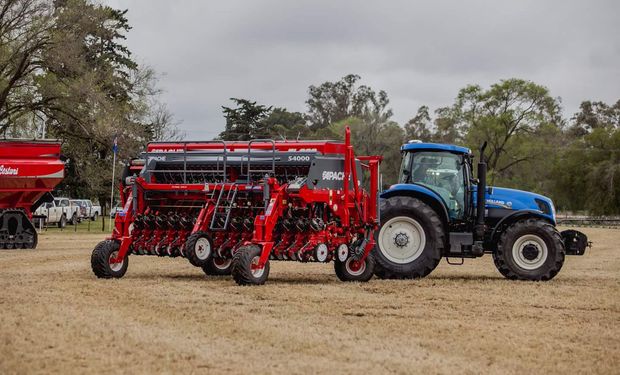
356, 208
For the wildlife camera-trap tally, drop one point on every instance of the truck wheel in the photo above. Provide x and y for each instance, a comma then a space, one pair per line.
244, 269
100, 260
63, 221
94, 218
74, 219
410, 240
352, 270
218, 266
198, 249
529, 250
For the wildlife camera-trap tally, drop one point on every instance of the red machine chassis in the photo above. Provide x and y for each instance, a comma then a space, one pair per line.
352, 211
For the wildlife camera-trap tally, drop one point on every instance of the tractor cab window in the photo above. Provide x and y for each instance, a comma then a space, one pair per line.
443, 173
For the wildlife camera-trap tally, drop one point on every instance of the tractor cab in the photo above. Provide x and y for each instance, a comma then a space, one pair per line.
446, 170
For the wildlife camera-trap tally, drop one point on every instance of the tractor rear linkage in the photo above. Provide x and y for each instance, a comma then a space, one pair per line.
230, 207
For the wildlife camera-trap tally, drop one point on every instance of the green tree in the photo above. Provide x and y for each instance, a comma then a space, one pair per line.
282, 124
331, 102
420, 127
586, 175
24, 36
245, 121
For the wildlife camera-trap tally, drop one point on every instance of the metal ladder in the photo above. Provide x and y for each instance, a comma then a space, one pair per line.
223, 208
261, 172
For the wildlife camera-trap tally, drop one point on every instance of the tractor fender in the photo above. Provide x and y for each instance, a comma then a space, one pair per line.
517, 215
426, 195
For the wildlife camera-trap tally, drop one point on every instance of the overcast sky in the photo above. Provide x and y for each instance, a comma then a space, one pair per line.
419, 52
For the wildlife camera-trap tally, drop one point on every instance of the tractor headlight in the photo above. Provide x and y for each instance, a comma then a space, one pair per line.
546, 207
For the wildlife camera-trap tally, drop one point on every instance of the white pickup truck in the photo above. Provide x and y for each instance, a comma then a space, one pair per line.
87, 209
60, 211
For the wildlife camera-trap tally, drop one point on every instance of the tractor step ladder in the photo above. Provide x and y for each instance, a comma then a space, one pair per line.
223, 208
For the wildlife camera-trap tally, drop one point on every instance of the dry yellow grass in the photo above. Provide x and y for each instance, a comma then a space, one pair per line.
166, 316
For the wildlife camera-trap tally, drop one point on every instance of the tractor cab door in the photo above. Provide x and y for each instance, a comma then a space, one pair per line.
441, 172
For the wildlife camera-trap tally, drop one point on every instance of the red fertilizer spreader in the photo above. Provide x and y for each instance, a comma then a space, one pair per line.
29, 171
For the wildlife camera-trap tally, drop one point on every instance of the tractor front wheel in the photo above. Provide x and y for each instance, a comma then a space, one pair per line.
198, 249
218, 266
245, 268
529, 250
353, 270
101, 260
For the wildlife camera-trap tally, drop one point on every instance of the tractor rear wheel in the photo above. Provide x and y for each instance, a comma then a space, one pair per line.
218, 266
353, 270
529, 250
198, 249
410, 240
100, 260
244, 266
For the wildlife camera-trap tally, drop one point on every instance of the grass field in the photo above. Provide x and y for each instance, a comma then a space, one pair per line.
166, 316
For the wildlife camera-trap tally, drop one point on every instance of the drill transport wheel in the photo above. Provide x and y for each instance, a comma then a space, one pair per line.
244, 266
218, 266
199, 249
353, 270
101, 260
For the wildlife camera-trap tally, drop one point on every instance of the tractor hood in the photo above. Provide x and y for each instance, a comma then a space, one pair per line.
512, 199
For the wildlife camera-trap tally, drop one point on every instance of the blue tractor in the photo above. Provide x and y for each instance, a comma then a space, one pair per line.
437, 209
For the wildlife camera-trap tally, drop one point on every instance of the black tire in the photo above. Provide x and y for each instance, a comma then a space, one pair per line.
218, 266
242, 266
74, 219
199, 249
94, 218
100, 260
346, 272
385, 274
525, 239
63, 221
426, 258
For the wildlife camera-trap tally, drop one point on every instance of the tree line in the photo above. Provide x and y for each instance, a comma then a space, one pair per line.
531, 145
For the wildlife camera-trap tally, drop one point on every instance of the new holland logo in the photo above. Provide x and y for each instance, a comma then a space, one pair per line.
331, 176
8, 171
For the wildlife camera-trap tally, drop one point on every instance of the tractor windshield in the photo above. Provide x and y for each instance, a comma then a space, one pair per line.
440, 171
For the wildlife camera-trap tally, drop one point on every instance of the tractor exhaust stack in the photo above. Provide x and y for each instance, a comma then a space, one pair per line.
480, 194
